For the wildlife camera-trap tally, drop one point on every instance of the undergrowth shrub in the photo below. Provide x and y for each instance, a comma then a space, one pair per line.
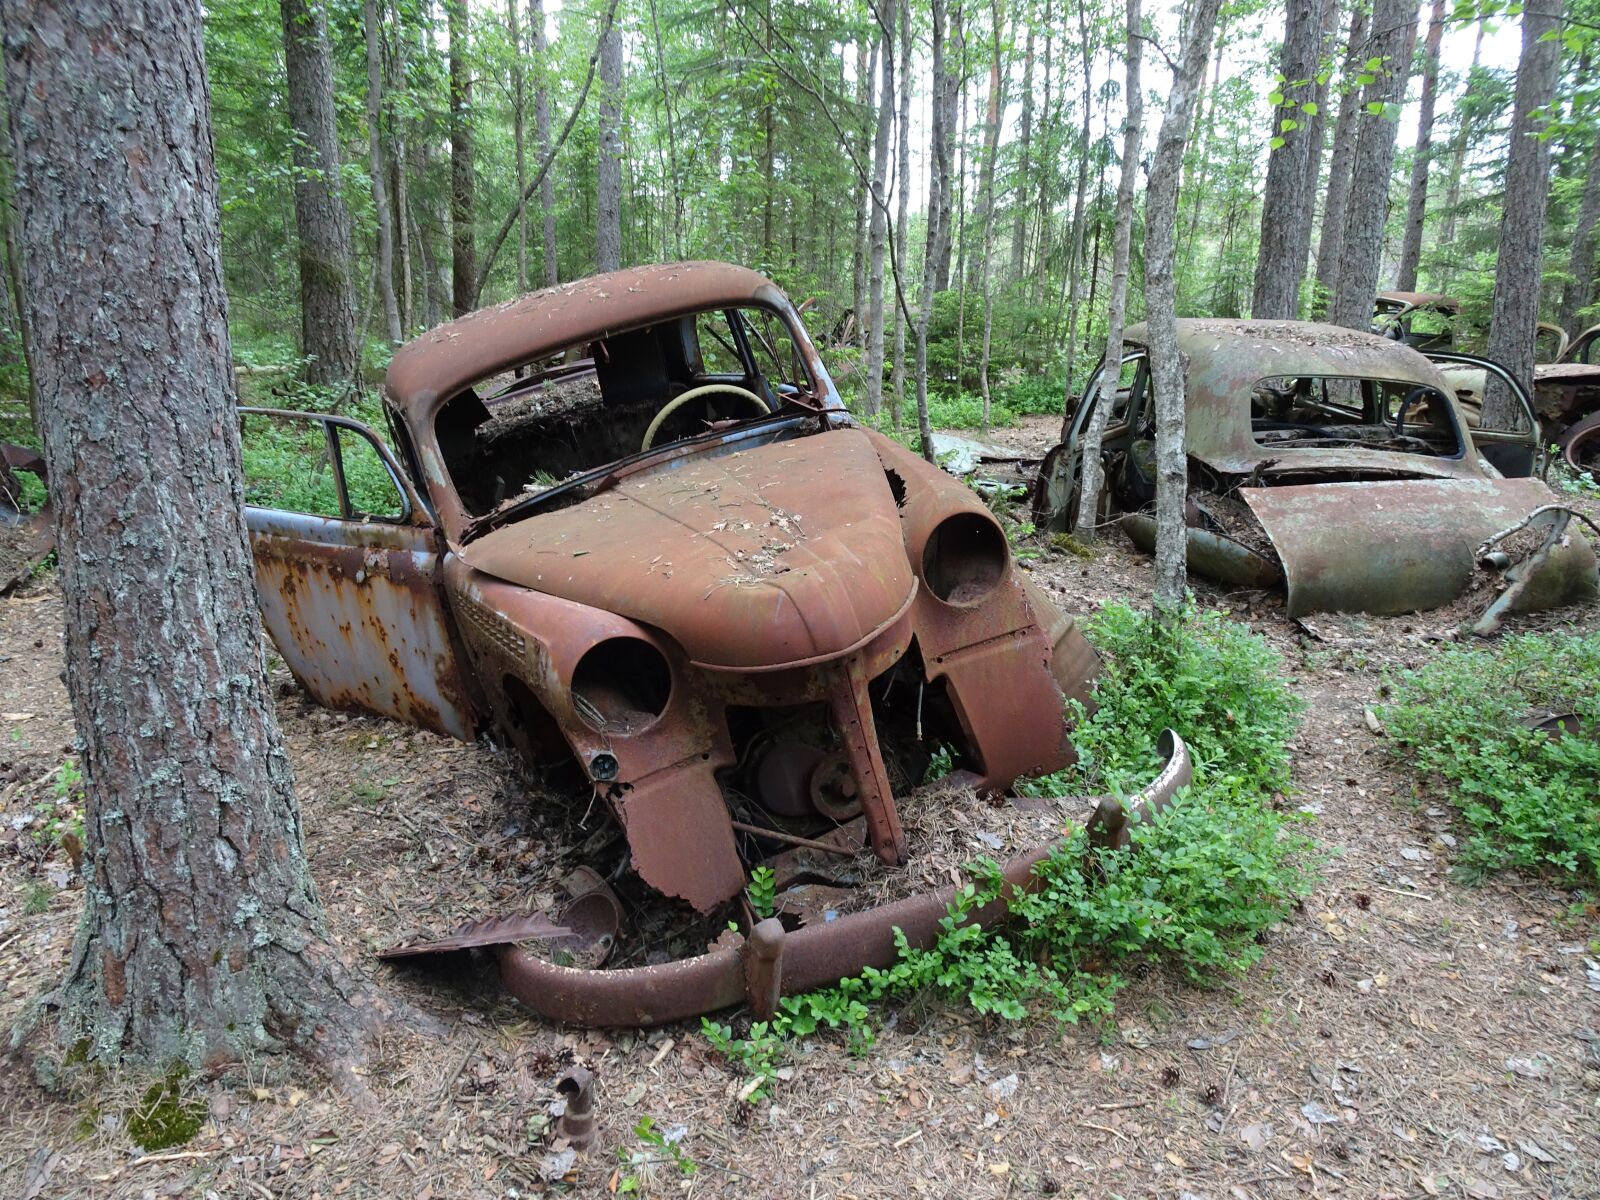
1205, 877
1527, 799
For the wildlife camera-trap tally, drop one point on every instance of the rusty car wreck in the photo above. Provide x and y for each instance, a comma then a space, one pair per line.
1336, 463
634, 533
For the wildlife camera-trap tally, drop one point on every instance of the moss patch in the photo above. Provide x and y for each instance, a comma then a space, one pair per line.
163, 1118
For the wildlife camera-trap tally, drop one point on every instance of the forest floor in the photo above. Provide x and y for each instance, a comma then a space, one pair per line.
1405, 1035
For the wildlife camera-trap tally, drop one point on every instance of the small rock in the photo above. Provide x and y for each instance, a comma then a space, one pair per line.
1528, 1068
1510, 1161
1317, 1115
1003, 1088
1490, 1145
1256, 1136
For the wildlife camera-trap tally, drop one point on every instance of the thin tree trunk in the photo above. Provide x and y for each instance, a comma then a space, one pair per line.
381, 212
1579, 291
1166, 362
322, 223
463, 184
879, 225
997, 107
1417, 199
955, 81
1519, 266
1337, 193
1394, 35
902, 221
1074, 263
201, 940
1094, 437
541, 134
672, 137
608, 180
865, 69
1458, 152
1019, 206
1326, 48
938, 230
402, 177
519, 135
1050, 122
1286, 204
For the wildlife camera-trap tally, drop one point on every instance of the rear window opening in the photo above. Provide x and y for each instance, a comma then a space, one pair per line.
1303, 412
575, 410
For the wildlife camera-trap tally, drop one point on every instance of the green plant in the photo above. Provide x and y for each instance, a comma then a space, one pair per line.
667, 1149
37, 899
1529, 797
59, 816
164, 1117
762, 891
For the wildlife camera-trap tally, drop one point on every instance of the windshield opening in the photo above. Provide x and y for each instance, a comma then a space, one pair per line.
580, 408
1377, 414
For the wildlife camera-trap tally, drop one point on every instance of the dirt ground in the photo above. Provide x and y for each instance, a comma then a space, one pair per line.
1404, 1036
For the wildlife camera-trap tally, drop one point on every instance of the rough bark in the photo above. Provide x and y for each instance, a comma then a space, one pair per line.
997, 107
858, 275
201, 938
878, 227
1417, 198
1394, 35
1519, 267
402, 177
938, 237
608, 178
322, 223
950, 97
1337, 192
1116, 311
1319, 121
1074, 271
541, 135
1286, 204
383, 215
463, 182
519, 135
1578, 294
1166, 363
902, 221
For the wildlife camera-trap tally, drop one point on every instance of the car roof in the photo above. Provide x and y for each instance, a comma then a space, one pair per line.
433, 367
1420, 299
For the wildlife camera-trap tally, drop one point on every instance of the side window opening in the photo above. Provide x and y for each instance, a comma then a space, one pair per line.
304, 463
1289, 412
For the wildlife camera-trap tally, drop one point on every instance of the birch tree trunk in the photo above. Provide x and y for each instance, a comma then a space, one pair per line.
1394, 35
201, 940
1286, 205
608, 177
381, 212
1519, 266
322, 223
1417, 198
1330, 239
1106, 390
902, 222
463, 183
1166, 362
541, 135
879, 224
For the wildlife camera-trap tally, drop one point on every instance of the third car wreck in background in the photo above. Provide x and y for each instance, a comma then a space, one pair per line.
1335, 462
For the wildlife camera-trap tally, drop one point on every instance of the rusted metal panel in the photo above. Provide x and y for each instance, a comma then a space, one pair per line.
1396, 547
356, 612
1213, 555
26, 538
816, 955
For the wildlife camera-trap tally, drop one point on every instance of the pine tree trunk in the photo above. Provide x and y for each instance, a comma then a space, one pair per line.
1417, 199
401, 166
201, 940
608, 180
938, 229
1394, 35
1286, 205
1337, 193
1019, 207
672, 135
1122, 236
322, 223
1458, 153
878, 226
463, 183
1519, 267
955, 79
381, 212
865, 69
541, 137
902, 219
1326, 48
519, 136
1075, 262
1166, 362
1579, 292
997, 107
1050, 121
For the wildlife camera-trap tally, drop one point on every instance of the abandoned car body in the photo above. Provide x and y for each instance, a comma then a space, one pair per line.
1335, 462
639, 537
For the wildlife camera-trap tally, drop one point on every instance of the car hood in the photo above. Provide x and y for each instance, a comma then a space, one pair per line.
1407, 545
783, 554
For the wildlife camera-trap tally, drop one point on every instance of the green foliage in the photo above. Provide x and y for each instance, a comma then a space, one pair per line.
287, 463
37, 899
1203, 881
164, 1116
61, 814
1529, 800
662, 1149
761, 892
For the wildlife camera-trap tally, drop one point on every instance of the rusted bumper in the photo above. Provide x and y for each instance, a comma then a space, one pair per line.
771, 962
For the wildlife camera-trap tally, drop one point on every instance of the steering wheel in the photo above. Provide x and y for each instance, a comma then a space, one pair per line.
695, 393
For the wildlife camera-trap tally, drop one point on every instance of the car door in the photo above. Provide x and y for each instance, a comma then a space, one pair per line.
1512, 447
348, 570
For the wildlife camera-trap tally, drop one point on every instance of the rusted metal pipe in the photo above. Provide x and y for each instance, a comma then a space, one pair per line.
791, 839
577, 1122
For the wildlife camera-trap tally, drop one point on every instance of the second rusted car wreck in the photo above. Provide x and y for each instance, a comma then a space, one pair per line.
1336, 463
632, 530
